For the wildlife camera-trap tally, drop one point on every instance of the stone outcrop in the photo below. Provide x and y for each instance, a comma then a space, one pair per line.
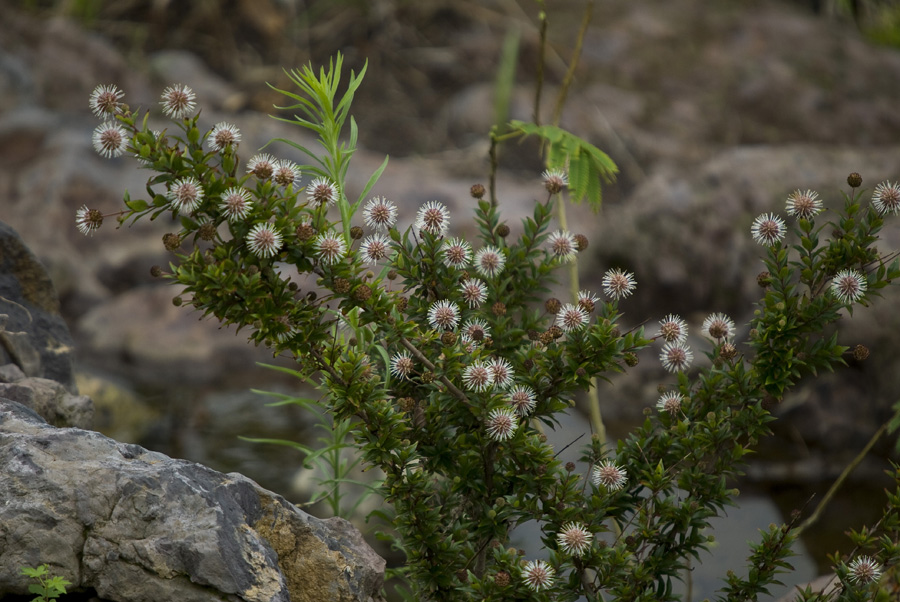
33, 334
137, 526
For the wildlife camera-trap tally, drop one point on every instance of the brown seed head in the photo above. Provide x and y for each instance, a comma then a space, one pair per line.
341, 286
860, 353
499, 308
502, 230
448, 338
305, 232
171, 242
356, 233
477, 191
362, 292
581, 242
501, 579
854, 180
207, 231
631, 359
763, 279
156, 271
552, 305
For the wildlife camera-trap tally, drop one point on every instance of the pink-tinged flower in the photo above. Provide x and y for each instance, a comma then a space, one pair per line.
223, 135
538, 575
670, 402
457, 253
475, 330
673, 329
331, 248
864, 570
571, 317
849, 286
110, 139
380, 213
262, 166
374, 248
562, 245
185, 195
521, 398
501, 424
402, 364
236, 204
264, 240
473, 291
477, 377
502, 373
587, 301
719, 327
574, 539
555, 180
88, 220
433, 217
886, 198
676, 357
489, 261
618, 283
768, 229
178, 101
106, 100
321, 192
609, 475
804, 205
443, 315
286, 173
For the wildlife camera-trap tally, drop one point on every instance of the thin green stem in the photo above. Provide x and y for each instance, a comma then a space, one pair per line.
838, 483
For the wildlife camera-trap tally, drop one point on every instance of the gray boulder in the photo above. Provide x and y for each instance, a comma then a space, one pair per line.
138, 526
33, 334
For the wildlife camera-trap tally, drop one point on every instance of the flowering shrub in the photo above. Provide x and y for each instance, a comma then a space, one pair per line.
448, 358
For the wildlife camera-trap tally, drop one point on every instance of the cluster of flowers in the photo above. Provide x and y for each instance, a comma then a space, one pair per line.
492, 374
769, 230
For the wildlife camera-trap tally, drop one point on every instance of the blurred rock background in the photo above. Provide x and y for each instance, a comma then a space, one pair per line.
714, 112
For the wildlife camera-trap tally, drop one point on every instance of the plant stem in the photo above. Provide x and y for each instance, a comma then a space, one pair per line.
817, 513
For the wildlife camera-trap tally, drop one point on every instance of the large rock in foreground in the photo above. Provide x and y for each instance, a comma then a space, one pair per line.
138, 526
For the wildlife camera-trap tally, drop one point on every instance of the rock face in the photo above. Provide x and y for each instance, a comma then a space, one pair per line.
138, 526
33, 334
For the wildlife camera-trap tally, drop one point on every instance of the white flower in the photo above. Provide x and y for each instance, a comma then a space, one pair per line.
443, 315
331, 248
538, 575
433, 217
375, 248
380, 213
106, 100
489, 261
223, 135
849, 286
562, 245
768, 229
608, 474
185, 195
522, 399
676, 357
110, 139
473, 291
457, 253
574, 539
673, 329
501, 424
264, 240
236, 204
618, 283
178, 101
571, 317
718, 326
